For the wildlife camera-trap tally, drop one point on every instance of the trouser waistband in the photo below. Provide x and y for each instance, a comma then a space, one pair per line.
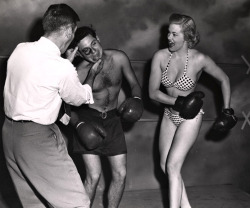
20, 121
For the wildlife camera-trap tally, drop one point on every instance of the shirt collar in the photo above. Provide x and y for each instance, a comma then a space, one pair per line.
46, 43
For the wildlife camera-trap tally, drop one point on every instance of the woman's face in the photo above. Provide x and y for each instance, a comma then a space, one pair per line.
90, 48
175, 37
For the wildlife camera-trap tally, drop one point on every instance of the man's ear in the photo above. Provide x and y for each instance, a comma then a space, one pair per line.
68, 32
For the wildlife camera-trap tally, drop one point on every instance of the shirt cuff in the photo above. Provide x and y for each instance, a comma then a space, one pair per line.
90, 99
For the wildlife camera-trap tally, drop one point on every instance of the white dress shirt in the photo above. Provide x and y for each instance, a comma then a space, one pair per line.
37, 80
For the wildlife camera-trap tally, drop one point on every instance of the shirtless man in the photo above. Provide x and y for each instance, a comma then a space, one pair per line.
100, 120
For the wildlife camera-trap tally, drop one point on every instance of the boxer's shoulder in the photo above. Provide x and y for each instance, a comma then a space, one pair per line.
114, 53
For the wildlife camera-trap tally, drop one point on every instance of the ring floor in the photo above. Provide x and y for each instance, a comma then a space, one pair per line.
217, 196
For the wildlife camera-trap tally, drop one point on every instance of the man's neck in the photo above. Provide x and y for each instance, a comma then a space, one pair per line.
57, 41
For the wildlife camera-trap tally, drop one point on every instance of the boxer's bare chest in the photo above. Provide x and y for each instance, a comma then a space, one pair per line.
109, 77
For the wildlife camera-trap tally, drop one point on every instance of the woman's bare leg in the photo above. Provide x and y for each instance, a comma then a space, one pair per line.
184, 139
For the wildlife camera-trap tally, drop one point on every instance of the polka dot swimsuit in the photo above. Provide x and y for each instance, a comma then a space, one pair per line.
184, 83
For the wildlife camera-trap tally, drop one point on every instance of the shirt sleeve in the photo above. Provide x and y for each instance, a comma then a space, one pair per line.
73, 92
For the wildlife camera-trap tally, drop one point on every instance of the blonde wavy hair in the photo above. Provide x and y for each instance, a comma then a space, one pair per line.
191, 35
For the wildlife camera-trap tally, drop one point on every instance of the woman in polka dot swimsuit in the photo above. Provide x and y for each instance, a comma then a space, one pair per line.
178, 69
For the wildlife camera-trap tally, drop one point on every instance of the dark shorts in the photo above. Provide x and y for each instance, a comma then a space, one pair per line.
113, 144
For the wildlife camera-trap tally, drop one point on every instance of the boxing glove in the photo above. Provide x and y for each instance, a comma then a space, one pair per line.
90, 135
226, 121
189, 106
131, 109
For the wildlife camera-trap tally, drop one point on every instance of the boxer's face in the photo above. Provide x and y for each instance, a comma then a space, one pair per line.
175, 37
90, 48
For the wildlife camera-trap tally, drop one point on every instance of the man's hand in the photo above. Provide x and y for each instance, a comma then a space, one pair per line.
71, 53
97, 66
94, 70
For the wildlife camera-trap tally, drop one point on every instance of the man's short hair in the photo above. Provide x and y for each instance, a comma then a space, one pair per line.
58, 16
81, 33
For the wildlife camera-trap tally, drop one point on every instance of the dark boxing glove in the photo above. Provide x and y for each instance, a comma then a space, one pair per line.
90, 135
226, 121
189, 106
131, 109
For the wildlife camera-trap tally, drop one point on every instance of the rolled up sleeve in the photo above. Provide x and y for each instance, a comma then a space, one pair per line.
73, 92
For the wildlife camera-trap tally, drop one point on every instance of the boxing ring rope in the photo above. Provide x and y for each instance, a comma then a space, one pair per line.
247, 63
245, 117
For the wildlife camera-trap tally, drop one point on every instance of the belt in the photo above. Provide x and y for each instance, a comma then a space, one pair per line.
103, 115
19, 121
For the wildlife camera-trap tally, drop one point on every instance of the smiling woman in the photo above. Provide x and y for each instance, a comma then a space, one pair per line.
178, 69
188, 28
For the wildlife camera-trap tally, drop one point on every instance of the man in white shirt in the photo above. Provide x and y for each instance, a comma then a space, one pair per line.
37, 81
